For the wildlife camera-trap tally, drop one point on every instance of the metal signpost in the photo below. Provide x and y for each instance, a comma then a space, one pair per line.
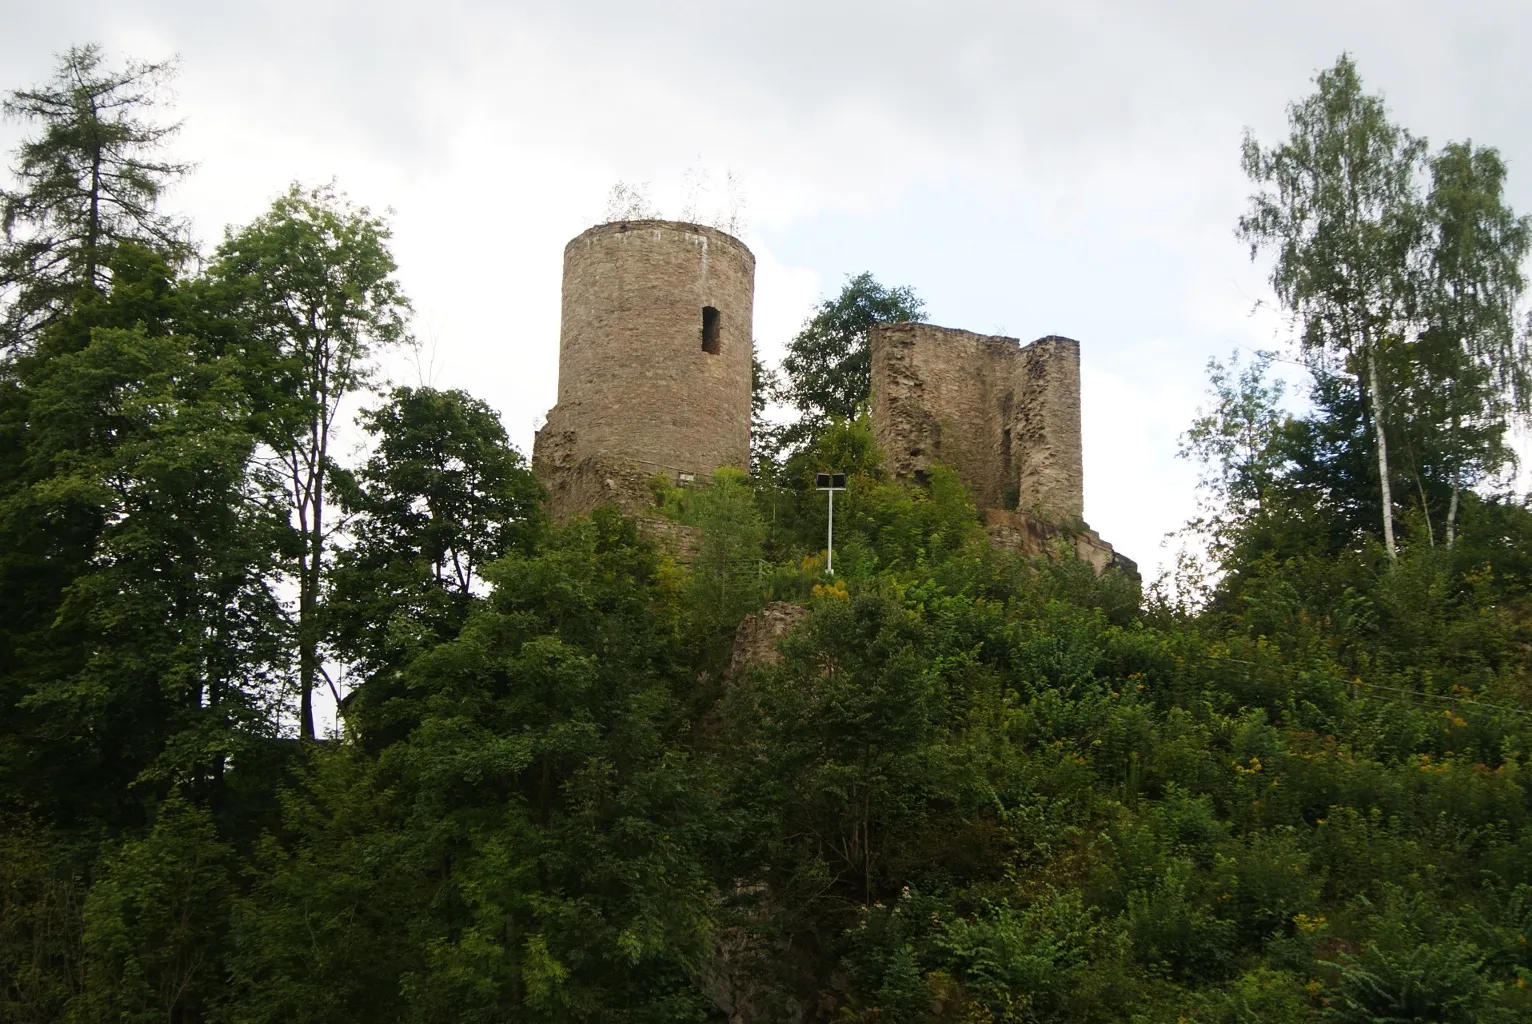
830, 483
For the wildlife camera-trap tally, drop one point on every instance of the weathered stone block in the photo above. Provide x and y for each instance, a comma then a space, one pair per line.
755, 640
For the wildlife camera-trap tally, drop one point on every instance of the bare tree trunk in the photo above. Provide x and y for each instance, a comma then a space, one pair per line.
1376, 389
1425, 508
93, 231
308, 662
1452, 511
1420, 488
1457, 486
308, 600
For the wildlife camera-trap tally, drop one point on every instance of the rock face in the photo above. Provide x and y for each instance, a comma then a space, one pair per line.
654, 364
755, 640
731, 973
1017, 531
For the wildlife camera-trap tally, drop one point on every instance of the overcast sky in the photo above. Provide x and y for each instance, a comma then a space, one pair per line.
1029, 168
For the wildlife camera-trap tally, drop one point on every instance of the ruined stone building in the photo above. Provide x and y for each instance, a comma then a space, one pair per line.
654, 364
654, 379
1004, 415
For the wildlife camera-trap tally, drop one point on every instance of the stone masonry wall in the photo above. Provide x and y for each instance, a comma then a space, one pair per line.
1045, 431
935, 398
636, 387
1006, 417
647, 387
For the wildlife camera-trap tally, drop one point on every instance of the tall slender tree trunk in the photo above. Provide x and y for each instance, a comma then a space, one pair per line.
1452, 511
93, 230
308, 660
308, 605
1425, 508
1375, 388
1457, 486
308, 650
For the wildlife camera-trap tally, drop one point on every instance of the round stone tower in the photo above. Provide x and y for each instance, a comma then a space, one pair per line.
654, 363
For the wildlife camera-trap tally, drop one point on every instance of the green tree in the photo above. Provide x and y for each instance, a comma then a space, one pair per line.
725, 578
532, 848
139, 637
1477, 366
1237, 441
154, 923
311, 283
48, 542
827, 369
163, 645
40, 926
442, 495
443, 486
1339, 208
765, 437
88, 182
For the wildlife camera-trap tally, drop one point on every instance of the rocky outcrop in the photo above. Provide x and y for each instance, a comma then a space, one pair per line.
1017, 531
755, 641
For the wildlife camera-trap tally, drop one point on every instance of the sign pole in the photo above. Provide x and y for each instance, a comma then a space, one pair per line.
830, 483
830, 543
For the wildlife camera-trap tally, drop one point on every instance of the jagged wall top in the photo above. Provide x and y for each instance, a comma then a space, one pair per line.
1004, 415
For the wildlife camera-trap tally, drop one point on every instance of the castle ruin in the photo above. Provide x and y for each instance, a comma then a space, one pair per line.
1005, 416
654, 364
655, 352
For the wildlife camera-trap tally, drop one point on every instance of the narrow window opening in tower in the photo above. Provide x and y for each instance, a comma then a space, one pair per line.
710, 331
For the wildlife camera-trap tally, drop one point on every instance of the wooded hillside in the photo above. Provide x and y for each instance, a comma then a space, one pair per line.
1290, 783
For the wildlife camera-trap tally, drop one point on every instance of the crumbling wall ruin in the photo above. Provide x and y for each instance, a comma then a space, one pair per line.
655, 351
1045, 431
1006, 417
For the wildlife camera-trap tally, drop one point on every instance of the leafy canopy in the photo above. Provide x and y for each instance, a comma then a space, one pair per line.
827, 371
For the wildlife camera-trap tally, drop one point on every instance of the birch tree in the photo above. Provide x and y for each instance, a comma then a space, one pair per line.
1338, 207
1476, 366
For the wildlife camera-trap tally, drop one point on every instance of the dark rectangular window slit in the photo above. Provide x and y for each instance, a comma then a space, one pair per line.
710, 330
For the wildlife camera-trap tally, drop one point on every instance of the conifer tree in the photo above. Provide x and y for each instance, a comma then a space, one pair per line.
90, 180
